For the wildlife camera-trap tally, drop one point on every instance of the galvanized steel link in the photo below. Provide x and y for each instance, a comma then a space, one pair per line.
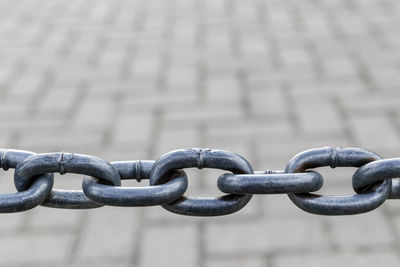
33, 194
270, 182
65, 163
371, 174
140, 196
34, 179
337, 205
202, 158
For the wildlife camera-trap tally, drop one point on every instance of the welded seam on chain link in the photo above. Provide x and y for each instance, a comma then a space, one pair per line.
200, 158
138, 170
61, 164
334, 158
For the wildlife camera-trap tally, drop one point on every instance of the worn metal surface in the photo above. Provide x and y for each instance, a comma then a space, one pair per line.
337, 205
140, 196
32, 196
202, 158
34, 177
371, 174
65, 163
270, 182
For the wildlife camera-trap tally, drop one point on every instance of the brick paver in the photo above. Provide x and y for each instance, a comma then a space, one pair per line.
125, 79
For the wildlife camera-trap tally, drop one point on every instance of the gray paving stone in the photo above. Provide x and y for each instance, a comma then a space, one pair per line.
127, 129
368, 132
350, 233
100, 263
145, 99
386, 77
186, 138
43, 219
281, 235
59, 139
197, 114
318, 117
184, 78
58, 103
168, 242
222, 89
340, 68
267, 100
94, 114
36, 248
249, 261
337, 259
11, 224
108, 233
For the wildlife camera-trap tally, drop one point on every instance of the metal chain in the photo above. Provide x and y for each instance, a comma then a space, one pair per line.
34, 180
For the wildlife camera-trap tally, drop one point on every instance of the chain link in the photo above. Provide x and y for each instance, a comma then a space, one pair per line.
34, 179
337, 205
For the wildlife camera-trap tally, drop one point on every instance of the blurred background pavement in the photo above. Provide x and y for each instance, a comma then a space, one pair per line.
127, 80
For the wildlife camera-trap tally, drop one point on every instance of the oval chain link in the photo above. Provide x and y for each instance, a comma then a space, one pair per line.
33, 195
270, 182
371, 174
139, 196
337, 205
202, 158
65, 163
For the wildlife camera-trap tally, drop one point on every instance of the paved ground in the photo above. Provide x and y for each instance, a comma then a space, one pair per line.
268, 79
